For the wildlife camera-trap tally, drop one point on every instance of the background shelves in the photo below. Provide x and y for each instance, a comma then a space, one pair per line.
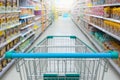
99, 46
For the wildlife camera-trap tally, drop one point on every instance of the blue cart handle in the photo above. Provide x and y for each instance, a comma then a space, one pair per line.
110, 54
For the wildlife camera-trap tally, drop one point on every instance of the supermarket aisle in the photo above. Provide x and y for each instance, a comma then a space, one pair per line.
62, 26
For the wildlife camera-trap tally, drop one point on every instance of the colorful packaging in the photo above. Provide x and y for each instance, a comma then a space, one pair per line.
14, 4
8, 5
2, 5
3, 21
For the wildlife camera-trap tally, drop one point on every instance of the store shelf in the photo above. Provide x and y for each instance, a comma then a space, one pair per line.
11, 50
12, 26
27, 47
110, 19
28, 25
104, 5
28, 7
22, 35
8, 41
107, 32
99, 47
5, 69
25, 17
28, 37
2, 12
38, 18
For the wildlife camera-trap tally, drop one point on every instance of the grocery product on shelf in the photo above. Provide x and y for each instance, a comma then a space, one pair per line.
26, 12
8, 5
2, 6
14, 4
110, 26
101, 21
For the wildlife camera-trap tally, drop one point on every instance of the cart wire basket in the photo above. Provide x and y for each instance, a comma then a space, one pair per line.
62, 58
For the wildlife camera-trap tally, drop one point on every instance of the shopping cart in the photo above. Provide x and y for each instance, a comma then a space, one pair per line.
61, 58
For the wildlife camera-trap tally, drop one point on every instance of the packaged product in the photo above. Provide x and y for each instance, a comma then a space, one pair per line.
8, 5
8, 20
2, 5
0, 67
2, 37
4, 62
7, 34
14, 4
107, 12
9, 60
2, 51
17, 17
3, 21
7, 47
11, 44
11, 32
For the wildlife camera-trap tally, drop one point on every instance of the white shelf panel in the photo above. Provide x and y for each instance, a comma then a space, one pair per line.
8, 41
110, 19
28, 25
2, 12
12, 26
27, 17
107, 32
5, 69
28, 7
26, 33
28, 37
37, 18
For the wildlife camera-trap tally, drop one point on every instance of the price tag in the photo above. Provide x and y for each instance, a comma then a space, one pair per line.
35, 27
37, 8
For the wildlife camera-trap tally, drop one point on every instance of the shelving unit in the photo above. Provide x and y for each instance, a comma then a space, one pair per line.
104, 30
28, 21
82, 15
110, 19
98, 46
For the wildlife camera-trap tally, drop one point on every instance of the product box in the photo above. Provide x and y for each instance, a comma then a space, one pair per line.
3, 21
2, 51
7, 47
8, 20
4, 62
8, 5
11, 44
2, 5
14, 5
0, 67
17, 17
7, 34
